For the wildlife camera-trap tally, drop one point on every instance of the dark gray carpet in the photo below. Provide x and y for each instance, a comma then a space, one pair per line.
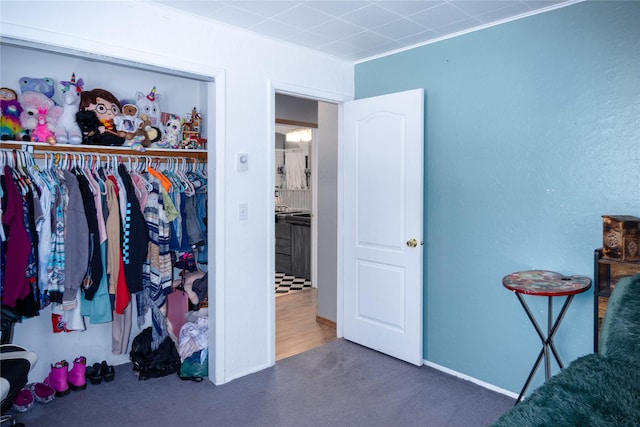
338, 384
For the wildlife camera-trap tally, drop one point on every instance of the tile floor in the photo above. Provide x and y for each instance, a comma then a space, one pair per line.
286, 283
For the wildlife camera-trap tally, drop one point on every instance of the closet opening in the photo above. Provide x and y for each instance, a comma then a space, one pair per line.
180, 93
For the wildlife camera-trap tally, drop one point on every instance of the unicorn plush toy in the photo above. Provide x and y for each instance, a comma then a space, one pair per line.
67, 130
149, 105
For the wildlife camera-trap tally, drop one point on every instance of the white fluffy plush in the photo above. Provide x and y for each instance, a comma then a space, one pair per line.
172, 131
67, 130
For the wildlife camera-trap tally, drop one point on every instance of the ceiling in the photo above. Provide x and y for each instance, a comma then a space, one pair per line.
355, 30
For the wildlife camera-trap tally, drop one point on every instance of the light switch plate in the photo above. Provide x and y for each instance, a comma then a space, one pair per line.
243, 162
243, 211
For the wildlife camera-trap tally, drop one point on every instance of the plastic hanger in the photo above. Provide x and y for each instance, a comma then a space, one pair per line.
187, 185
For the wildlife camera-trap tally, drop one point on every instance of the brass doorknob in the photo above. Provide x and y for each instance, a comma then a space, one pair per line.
412, 243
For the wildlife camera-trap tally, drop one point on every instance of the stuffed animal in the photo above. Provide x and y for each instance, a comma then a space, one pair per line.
89, 124
136, 143
153, 133
128, 124
150, 105
10, 127
31, 102
106, 107
44, 85
67, 130
172, 131
42, 133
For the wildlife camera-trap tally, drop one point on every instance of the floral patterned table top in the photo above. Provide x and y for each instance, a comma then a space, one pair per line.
545, 283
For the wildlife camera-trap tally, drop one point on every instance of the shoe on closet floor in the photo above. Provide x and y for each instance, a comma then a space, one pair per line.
108, 371
100, 371
41, 392
23, 401
58, 378
76, 376
94, 373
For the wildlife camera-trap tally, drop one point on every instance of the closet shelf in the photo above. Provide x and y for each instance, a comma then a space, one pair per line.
36, 147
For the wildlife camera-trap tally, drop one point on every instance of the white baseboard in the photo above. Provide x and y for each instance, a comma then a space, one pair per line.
471, 379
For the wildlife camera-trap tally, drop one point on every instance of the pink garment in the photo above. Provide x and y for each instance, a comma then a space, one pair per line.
177, 308
142, 192
16, 284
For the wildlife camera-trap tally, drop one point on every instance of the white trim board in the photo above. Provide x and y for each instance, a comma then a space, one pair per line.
470, 379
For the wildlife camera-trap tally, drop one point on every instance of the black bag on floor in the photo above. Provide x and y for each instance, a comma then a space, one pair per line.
161, 362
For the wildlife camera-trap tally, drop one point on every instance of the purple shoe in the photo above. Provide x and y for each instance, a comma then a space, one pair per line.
23, 401
76, 378
42, 393
57, 378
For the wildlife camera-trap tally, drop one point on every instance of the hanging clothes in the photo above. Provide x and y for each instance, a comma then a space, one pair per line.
113, 236
194, 230
18, 248
157, 269
135, 235
85, 241
76, 242
30, 306
99, 308
93, 274
118, 290
55, 268
46, 185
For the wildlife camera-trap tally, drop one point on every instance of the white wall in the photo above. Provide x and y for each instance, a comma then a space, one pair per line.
327, 196
248, 68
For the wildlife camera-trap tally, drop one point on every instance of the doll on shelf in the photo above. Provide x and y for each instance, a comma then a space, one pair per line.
107, 107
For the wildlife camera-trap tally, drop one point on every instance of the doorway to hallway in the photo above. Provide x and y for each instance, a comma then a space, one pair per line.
313, 311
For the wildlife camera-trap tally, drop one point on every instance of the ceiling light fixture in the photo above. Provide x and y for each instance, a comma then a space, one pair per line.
299, 135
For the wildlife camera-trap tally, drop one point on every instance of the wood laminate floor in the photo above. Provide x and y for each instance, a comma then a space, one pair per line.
296, 327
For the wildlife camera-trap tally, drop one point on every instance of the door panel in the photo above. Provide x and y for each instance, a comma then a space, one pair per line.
383, 209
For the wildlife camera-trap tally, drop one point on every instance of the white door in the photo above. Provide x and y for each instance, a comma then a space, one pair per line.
383, 216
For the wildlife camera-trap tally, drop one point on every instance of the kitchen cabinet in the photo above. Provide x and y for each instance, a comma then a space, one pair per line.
293, 245
301, 250
283, 246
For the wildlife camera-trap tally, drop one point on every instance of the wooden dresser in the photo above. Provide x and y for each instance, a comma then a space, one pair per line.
607, 272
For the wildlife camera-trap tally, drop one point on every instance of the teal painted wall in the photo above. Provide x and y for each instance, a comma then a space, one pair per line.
531, 134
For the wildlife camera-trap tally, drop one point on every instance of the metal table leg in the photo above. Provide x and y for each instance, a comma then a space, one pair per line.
547, 342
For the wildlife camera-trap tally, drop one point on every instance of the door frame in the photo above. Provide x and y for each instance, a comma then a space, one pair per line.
316, 95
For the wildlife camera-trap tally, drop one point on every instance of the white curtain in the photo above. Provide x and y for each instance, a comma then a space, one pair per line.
294, 166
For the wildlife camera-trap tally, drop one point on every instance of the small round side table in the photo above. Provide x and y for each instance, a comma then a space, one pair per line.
549, 284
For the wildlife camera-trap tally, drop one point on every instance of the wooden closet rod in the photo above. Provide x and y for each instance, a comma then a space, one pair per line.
38, 151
